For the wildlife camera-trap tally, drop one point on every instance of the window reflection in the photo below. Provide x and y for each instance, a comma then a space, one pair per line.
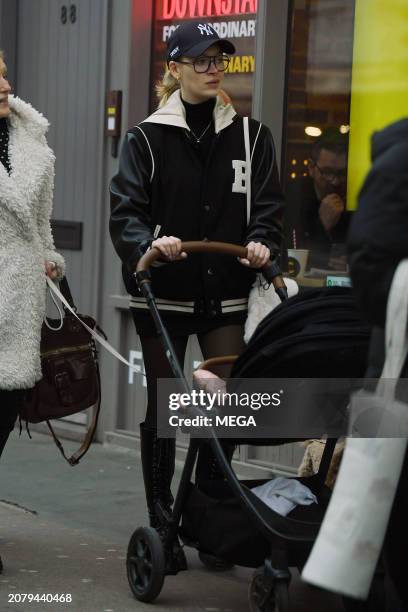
318, 112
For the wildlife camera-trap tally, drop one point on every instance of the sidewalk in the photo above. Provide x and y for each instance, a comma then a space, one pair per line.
66, 530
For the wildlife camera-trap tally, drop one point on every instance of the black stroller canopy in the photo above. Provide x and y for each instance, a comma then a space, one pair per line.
318, 341
318, 333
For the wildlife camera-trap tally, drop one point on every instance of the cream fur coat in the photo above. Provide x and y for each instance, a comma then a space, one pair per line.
25, 244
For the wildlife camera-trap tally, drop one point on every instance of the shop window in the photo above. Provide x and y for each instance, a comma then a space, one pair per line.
316, 139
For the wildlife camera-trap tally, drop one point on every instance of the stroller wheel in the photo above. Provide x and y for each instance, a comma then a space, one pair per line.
145, 564
262, 598
213, 563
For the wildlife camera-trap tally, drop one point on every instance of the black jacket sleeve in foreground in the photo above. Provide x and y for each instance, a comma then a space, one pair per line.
266, 221
130, 222
378, 238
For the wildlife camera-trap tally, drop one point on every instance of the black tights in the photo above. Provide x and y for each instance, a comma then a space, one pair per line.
10, 402
226, 340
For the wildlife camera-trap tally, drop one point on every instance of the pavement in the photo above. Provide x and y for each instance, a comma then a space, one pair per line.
65, 531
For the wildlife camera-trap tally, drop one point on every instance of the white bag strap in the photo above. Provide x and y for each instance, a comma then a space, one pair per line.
248, 162
396, 330
57, 306
93, 333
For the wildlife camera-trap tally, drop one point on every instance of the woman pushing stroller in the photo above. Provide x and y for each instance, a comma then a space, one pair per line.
182, 176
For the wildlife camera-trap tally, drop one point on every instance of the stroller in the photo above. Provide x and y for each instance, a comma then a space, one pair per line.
316, 333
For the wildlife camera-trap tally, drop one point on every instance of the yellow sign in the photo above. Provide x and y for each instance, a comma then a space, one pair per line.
379, 94
241, 63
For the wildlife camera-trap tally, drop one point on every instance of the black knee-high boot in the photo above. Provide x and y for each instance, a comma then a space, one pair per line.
158, 459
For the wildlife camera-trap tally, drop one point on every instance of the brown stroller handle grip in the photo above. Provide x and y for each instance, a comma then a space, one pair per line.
270, 271
198, 246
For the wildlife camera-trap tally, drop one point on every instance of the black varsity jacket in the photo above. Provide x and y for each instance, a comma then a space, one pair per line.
163, 188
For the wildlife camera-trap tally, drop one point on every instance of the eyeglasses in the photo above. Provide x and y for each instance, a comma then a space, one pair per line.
331, 175
202, 63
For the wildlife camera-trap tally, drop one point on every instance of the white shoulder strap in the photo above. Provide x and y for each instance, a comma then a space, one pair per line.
248, 161
54, 289
248, 167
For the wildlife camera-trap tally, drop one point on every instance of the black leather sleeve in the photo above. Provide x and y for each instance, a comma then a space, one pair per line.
266, 221
130, 194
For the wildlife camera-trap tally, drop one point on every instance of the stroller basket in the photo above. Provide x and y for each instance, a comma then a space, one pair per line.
214, 521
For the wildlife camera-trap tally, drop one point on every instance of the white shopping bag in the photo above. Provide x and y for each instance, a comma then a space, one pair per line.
346, 551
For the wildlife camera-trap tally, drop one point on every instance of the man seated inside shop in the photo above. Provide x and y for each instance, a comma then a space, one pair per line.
317, 218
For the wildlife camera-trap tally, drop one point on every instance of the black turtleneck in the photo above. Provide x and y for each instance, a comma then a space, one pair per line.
198, 117
4, 142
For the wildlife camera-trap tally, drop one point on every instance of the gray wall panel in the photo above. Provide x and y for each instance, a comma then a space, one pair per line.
60, 126
79, 185
93, 156
50, 89
113, 373
42, 73
8, 35
62, 73
26, 43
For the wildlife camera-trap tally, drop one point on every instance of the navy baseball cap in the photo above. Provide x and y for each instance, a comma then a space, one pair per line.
193, 38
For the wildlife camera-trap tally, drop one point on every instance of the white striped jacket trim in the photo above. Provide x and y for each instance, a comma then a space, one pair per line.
151, 152
181, 306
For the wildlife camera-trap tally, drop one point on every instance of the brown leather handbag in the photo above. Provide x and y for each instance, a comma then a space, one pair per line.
71, 380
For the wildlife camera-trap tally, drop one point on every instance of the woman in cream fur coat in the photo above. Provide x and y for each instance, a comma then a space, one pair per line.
27, 251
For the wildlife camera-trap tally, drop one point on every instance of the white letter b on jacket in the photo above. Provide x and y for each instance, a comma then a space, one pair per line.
240, 181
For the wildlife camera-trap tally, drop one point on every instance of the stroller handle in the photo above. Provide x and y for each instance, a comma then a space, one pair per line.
270, 271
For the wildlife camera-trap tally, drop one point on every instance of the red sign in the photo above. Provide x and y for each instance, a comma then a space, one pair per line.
190, 9
231, 19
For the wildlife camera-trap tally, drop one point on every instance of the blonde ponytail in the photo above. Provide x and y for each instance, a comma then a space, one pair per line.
167, 86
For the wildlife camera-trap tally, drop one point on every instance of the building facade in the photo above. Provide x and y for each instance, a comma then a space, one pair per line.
294, 71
